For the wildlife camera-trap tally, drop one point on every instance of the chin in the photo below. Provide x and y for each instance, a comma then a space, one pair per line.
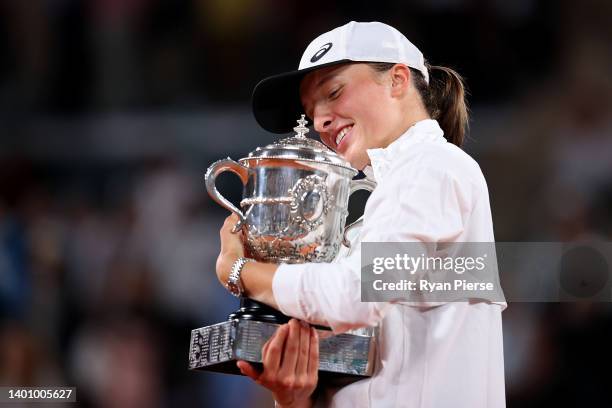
358, 164
356, 160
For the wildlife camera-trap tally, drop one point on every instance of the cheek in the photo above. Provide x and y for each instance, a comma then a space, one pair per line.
367, 107
371, 126
371, 109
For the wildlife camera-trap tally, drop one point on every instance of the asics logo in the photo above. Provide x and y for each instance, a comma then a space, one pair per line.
322, 51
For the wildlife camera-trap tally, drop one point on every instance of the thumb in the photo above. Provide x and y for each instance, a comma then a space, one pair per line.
248, 370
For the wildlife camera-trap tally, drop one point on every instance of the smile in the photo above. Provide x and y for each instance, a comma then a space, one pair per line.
342, 133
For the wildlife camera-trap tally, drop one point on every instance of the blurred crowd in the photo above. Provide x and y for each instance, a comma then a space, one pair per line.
108, 240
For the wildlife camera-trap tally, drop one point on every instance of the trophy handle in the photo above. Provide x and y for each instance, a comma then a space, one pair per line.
213, 171
356, 185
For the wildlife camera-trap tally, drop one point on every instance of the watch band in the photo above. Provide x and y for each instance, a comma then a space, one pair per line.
234, 283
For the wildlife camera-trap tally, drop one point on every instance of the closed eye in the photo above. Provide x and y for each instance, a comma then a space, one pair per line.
335, 93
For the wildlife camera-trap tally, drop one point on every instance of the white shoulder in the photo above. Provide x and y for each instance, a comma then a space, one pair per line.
441, 158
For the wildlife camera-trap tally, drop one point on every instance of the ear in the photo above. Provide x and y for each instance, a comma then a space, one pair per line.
400, 80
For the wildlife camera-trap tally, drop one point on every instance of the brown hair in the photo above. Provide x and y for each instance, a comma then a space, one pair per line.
443, 97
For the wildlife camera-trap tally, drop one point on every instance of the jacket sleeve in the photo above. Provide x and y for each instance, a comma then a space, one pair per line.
425, 207
326, 293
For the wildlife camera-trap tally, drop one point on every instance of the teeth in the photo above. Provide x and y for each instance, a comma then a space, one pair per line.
342, 133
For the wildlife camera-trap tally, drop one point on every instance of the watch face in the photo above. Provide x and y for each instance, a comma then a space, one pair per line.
233, 288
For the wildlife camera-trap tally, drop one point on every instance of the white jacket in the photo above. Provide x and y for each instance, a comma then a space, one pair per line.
431, 357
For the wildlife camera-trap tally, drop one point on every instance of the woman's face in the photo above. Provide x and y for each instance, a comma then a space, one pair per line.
352, 109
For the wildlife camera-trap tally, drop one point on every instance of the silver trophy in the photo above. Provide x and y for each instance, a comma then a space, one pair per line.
294, 209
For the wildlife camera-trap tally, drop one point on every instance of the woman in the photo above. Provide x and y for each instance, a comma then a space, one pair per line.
374, 100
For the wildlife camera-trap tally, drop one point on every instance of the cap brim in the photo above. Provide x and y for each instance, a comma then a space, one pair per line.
276, 99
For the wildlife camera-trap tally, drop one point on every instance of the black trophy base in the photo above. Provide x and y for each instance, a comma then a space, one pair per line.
256, 311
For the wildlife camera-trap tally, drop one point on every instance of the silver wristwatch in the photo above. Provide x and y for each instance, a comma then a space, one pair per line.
234, 283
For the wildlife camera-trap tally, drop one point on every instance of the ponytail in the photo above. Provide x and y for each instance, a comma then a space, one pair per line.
443, 97
447, 100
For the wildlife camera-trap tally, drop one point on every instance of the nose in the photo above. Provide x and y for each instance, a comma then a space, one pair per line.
322, 120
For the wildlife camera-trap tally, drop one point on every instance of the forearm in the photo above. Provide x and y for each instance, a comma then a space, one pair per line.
257, 280
327, 294
256, 277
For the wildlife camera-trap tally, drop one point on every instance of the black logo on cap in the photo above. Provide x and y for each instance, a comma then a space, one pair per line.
322, 51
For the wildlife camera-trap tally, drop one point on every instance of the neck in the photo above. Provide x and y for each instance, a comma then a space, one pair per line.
408, 121
410, 111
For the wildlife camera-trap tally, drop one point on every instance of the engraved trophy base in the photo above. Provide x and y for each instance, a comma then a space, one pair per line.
218, 347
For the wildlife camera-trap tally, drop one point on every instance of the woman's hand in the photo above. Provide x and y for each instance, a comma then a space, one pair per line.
231, 248
290, 365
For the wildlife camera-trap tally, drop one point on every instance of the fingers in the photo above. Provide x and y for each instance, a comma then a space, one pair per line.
290, 362
291, 351
266, 346
313, 361
301, 368
231, 244
233, 223
273, 350
229, 224
264, 350
248, 370
232, 219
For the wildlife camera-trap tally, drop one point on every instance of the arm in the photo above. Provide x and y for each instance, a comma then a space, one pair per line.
256, 277
323, 293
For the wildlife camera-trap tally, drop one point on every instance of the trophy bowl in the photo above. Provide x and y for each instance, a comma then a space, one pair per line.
295, 199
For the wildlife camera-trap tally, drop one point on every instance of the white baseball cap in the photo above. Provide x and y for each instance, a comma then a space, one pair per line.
276, 99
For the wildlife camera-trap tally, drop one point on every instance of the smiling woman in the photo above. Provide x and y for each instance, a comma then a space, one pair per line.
334, 96
374, 100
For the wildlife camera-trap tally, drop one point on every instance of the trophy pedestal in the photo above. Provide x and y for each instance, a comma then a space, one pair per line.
253, 310
219, 346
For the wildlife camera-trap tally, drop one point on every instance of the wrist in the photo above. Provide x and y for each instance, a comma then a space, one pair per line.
224, 266
234, 282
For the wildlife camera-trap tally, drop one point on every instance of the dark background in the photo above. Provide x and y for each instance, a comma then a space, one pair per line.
111, 110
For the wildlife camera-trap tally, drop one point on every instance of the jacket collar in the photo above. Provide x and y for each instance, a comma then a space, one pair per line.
427, 130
